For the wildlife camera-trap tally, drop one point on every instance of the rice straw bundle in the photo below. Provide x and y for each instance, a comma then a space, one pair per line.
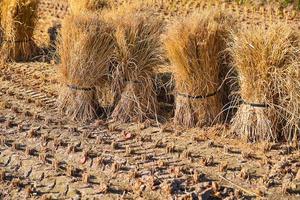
138, 53
77, 6
86, 48
260, 54
194, 46
18, 19
288, 84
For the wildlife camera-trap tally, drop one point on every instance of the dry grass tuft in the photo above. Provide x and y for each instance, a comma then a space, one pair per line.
260, 56
86, 47
137, 55
194, 46
18, 19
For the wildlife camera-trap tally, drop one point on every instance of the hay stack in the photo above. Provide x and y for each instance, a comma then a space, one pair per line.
77, 6
86, 47
194, 45
260, 55
137, 55
18, 19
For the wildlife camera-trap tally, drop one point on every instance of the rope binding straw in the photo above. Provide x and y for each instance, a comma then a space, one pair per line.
255, 105
74, 87
201, 96
198, 97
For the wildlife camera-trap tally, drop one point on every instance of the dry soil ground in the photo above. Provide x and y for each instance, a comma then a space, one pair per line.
44, 154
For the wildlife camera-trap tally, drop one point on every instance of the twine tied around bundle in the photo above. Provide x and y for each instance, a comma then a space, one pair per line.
86, 89
255, 105
201, 96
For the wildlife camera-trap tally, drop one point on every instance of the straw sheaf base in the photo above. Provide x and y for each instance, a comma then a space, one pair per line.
197, 112
291, 115
290, 104
256, 124
79, 105
105, 95
292, 129
18, 51
138, 102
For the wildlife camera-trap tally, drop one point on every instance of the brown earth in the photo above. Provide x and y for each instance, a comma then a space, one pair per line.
132, 160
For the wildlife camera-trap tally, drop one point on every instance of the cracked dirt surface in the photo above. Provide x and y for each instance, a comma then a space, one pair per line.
44, 155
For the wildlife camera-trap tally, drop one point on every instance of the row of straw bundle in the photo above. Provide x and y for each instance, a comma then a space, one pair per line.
260, 55
266, 60
86, 48
194, 46
18, 19
138, 53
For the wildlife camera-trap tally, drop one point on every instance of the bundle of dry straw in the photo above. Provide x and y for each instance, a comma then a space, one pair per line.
260, 56
194, 46
77, 6
288, 87
137, 55
290, 105
18, 19
86, 47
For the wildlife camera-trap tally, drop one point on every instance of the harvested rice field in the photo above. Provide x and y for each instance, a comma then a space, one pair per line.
150, 99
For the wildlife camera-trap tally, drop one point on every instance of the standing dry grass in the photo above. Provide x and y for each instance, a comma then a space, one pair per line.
18, 19
194, 46
137, 55
77, 6
260, 55
86, 47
